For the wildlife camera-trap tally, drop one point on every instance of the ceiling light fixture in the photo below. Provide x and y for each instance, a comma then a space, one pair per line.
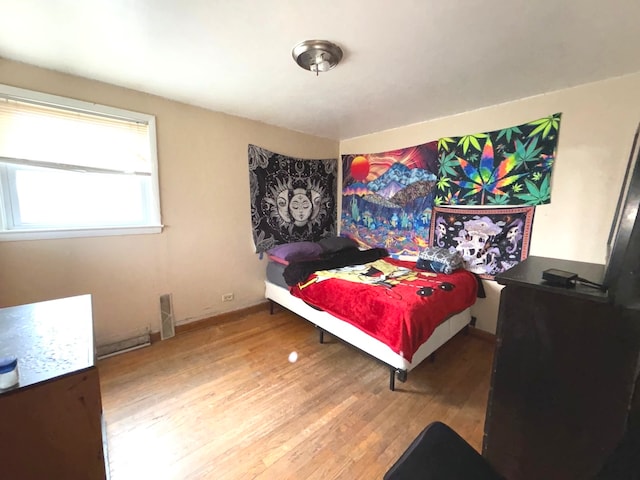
317, 55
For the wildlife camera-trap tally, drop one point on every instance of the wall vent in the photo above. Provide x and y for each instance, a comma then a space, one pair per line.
167, 327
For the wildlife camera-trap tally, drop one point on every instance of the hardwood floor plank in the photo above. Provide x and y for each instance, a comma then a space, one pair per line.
225, 402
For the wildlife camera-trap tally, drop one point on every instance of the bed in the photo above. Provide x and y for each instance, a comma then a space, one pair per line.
325, 297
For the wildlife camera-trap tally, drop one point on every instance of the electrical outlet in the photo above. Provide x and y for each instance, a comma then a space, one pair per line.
227, 297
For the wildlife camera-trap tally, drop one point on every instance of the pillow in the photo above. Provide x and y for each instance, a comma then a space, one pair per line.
295, 252
439, 260
336, 244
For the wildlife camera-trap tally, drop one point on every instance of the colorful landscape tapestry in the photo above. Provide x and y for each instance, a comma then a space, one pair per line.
511, 166
292, 199
387, 198
491, 240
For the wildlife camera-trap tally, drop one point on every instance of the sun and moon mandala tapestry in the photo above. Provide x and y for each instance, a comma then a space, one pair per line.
388, 198
292, 199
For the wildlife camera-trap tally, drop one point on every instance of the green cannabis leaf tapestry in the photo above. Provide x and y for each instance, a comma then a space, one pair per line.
511, 166
292, 199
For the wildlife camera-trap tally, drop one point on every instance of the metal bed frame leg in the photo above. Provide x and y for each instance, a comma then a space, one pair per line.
393, 371
271, 302
402, 376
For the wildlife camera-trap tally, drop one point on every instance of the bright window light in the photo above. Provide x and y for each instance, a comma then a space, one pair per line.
77, 199
70, 168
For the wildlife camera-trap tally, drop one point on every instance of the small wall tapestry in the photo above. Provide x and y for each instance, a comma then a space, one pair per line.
292, 199
511, 166
491, 240
387, 198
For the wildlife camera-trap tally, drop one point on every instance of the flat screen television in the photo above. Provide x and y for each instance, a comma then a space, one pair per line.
622, 275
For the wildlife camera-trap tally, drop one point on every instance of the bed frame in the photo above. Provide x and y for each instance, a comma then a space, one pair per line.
346, 332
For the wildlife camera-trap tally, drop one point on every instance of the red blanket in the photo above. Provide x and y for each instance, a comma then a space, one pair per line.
396, 315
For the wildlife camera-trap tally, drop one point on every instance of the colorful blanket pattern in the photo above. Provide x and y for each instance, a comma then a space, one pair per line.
490, 240
292, 199
511, 166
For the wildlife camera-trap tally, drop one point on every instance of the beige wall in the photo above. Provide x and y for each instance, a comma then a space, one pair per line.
206, 248
596, 132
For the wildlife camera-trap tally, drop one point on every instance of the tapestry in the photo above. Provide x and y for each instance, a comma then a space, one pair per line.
511, 166
387, 198
292, 199
491, 240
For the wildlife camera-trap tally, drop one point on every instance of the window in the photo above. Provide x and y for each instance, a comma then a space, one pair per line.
71, 168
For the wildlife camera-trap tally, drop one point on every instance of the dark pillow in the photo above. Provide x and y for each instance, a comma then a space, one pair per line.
336, 244
439, 260
295, 252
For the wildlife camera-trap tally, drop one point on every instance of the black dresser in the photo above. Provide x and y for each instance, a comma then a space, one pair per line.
565, 374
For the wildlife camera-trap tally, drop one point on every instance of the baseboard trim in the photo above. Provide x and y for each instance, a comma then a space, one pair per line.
237, 314
214, 320
123, 346
483, 335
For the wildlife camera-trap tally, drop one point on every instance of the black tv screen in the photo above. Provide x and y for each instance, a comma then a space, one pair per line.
622, 245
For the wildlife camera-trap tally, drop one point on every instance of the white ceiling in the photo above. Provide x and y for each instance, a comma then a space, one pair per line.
405, 61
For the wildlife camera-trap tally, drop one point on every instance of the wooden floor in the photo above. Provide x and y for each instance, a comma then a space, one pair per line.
224, 402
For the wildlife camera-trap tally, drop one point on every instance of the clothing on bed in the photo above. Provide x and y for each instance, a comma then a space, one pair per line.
372, 273
439, 259
400, 312
297, 272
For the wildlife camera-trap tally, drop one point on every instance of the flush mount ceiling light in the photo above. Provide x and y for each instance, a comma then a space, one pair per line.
317, 55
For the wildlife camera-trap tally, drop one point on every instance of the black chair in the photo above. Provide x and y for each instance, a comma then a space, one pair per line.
439, 453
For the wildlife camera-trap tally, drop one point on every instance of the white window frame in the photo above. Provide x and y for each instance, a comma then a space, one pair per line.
154, 224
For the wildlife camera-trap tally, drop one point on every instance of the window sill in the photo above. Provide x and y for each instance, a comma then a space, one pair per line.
21, 235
